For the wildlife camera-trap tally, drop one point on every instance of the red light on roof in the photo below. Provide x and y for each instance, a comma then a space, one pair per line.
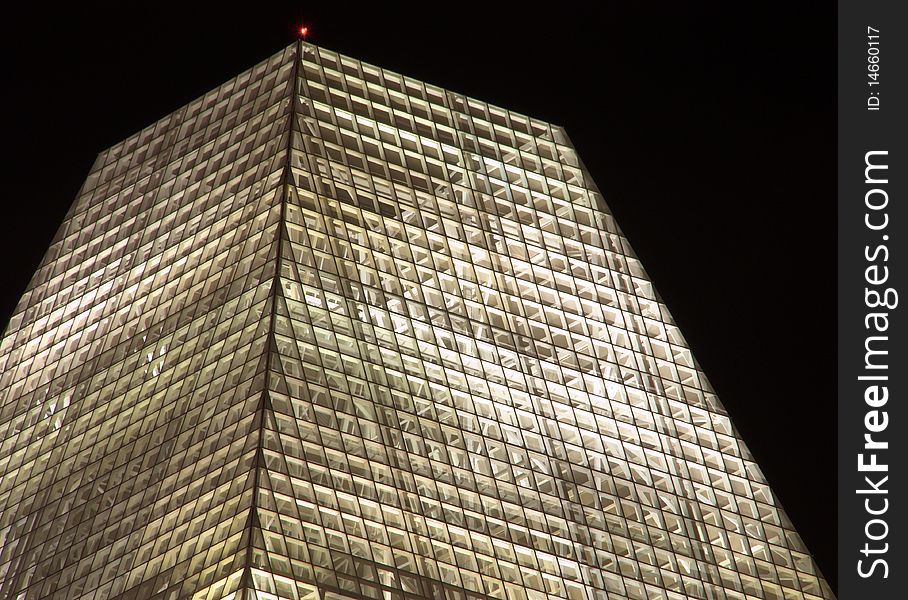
303, 31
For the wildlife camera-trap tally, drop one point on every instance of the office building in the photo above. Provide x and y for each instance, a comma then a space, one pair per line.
329, 332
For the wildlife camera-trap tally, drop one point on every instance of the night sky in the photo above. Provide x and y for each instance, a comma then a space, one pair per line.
710, 133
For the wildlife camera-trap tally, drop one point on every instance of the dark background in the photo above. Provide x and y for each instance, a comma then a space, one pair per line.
710, 133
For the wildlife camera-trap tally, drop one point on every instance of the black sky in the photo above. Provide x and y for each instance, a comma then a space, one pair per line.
710, 133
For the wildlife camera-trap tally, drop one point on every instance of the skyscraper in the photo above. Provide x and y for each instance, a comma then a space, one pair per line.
331, 332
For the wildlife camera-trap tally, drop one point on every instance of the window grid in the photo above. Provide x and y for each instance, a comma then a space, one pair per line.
331, 332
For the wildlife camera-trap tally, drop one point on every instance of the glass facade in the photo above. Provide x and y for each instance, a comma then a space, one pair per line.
329, 332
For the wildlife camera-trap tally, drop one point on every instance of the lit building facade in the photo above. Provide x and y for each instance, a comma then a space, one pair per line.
329, 332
